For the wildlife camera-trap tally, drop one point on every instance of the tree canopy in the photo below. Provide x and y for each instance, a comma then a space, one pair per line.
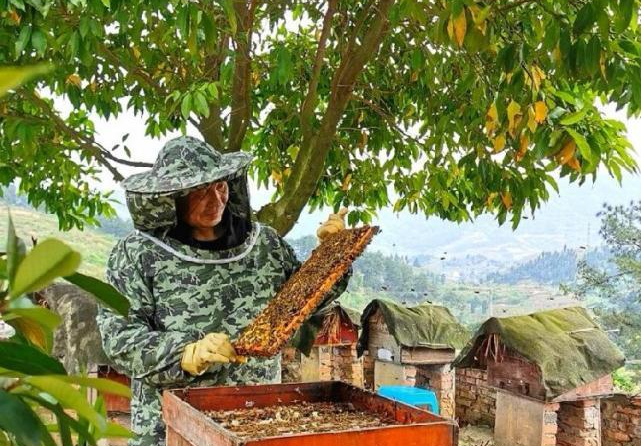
459, 107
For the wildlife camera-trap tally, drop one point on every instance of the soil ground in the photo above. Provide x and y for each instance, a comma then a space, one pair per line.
476, 436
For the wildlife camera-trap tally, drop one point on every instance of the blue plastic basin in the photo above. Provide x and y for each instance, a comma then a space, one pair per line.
413, 396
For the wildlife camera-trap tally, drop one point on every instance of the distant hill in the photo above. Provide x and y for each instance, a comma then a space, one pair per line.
92, 244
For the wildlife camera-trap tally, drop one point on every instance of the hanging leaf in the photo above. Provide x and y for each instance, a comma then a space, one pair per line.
16, 250
17, 418
47, 261
102, 384
506, 198
513, 116
499, 143
105, 293
540, 111
28, 360
68, 396
460, 28
566, 153
11, 77
582, 144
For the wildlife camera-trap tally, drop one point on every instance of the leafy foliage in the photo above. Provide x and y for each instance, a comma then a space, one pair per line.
33, 383
460, 107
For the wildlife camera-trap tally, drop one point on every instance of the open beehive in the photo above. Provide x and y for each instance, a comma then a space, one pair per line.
301, 295
320, 414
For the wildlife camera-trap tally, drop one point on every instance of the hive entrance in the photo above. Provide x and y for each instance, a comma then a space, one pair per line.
301, 295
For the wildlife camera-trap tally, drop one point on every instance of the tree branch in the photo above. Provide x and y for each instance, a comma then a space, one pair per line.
309, 104
310, 162
240, 99
88, 143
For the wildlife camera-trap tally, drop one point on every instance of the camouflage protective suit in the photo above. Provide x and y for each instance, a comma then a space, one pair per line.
179, 293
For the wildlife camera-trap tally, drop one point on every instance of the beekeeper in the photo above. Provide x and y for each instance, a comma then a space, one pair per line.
196, 270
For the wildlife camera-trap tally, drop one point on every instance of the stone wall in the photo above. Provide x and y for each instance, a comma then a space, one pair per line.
475, 400
579, 423
340, 363
621, 421
439, 378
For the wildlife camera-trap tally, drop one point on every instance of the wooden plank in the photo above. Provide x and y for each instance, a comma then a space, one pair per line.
310, 366
437, 434
424, 355
519, 421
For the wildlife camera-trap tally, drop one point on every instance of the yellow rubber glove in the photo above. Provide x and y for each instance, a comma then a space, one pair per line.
213, 348
334, 224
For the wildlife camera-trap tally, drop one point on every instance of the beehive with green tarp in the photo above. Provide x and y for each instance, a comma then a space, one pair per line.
566, 346
426, 325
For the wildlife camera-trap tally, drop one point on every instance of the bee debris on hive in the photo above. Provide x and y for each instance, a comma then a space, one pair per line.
301, 295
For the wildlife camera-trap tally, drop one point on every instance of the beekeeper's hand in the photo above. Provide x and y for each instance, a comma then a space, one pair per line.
213, 348
334, 224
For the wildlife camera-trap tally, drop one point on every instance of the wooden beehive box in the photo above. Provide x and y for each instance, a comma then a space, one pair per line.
383, 346
187, 425
337, 329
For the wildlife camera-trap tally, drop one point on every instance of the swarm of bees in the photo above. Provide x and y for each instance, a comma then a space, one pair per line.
301, 295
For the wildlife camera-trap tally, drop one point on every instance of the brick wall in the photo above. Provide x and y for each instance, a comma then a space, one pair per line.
621, 421
290, 365
475, 400
579, 423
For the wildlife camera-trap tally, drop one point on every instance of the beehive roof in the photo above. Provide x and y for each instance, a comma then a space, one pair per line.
566, 344
425, 325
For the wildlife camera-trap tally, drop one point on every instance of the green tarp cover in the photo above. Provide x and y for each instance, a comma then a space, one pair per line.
568, 346
353, 315
424, 325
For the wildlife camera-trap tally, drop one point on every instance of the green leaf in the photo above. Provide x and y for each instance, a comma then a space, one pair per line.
228, 6
39, 42
47, 261
585, 18
582, 144
116, 430
107, 3
28, 360
68, 396
185, 105
104, 292
102, 384
16, 250
201, 104
624, 15
41, 315
12, 77
17, 418
23, 40
575, 117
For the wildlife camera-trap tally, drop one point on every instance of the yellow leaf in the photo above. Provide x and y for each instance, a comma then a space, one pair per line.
93, 86
363, 141
287, 171
74, 79
14, 17
531, 119
537, 77
414, 76
574, 164
602, 64
540, 111
556, 54
277, 176
346, 181
490, 199
450, 28
136, 52
499, 143
567, 152
506, 198
492, 118
460, 27
513, 117
524, 142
